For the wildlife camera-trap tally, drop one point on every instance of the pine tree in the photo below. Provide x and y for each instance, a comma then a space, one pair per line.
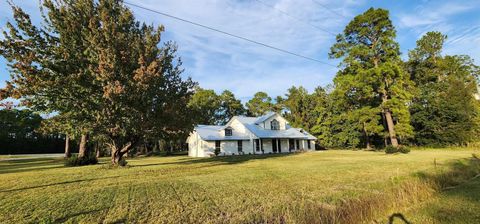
371, 75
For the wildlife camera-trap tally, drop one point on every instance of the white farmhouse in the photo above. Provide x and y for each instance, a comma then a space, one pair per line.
269, 133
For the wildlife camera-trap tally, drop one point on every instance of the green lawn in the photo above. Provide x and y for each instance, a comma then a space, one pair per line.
273, 188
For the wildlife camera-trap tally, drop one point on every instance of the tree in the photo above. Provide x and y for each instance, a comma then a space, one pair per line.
59, 124
206, 104
93, 62
19, 133
46, 66
229, 107
444, 110
371, 74
300, 106
260, 104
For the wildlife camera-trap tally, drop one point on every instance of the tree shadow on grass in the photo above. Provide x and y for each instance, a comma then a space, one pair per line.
55, 184
25, 165
221, 160
398, 216
66, 218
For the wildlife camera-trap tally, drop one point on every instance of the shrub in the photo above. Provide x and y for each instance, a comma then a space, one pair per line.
88, 159
122, 162
403, 149
391, 149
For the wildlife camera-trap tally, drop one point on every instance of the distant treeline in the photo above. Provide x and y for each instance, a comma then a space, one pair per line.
20, 134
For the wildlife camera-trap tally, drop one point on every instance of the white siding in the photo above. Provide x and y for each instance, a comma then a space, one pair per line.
200, 148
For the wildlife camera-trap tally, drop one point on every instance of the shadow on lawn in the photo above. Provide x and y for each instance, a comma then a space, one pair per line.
59, 183
66, 218
399, 216
25, 165
222, 160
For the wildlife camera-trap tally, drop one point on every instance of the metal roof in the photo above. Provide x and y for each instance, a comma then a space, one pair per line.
215, 132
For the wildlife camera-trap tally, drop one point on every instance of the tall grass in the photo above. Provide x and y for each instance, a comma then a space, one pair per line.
377, 205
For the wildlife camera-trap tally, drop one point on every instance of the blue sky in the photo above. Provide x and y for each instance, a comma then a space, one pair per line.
220, 62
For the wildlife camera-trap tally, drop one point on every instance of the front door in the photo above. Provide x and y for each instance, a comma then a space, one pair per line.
291, 144
274, 145
279, 145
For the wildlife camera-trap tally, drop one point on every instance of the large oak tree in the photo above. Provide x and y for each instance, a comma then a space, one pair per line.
93, 62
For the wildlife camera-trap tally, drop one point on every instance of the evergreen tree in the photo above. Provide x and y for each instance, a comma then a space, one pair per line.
260, 104
229, 107
371, 76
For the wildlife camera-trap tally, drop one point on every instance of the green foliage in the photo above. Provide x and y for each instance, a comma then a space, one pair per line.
211, 108
372, 84
229, 107
403, 149
123, 162
391, 149
19, 133
260, 104
444, 110
88, 159
94, 64
300, 107
206, 104
400, 149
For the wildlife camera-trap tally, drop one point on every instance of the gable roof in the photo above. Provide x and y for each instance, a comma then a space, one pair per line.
287, 133
265, 117
214, 132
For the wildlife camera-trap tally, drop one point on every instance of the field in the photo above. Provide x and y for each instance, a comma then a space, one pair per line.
425, 186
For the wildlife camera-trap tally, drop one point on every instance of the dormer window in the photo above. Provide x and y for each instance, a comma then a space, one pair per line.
228, 132
274, 125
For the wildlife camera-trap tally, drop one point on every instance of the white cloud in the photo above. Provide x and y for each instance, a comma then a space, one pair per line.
221, 62
431, 14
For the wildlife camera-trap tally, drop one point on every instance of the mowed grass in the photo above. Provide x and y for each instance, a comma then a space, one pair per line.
271, 188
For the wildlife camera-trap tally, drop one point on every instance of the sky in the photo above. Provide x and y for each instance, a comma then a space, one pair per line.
304, 27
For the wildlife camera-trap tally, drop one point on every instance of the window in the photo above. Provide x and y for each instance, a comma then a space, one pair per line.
228, 132
257, 145
217, 145
274, 125
240, 146
309, 144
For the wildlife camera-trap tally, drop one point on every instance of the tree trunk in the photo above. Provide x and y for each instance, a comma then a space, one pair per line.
97, 150
118, 153
389, 118
68, 154
82, 150
391, 129
116, 156
367, 138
